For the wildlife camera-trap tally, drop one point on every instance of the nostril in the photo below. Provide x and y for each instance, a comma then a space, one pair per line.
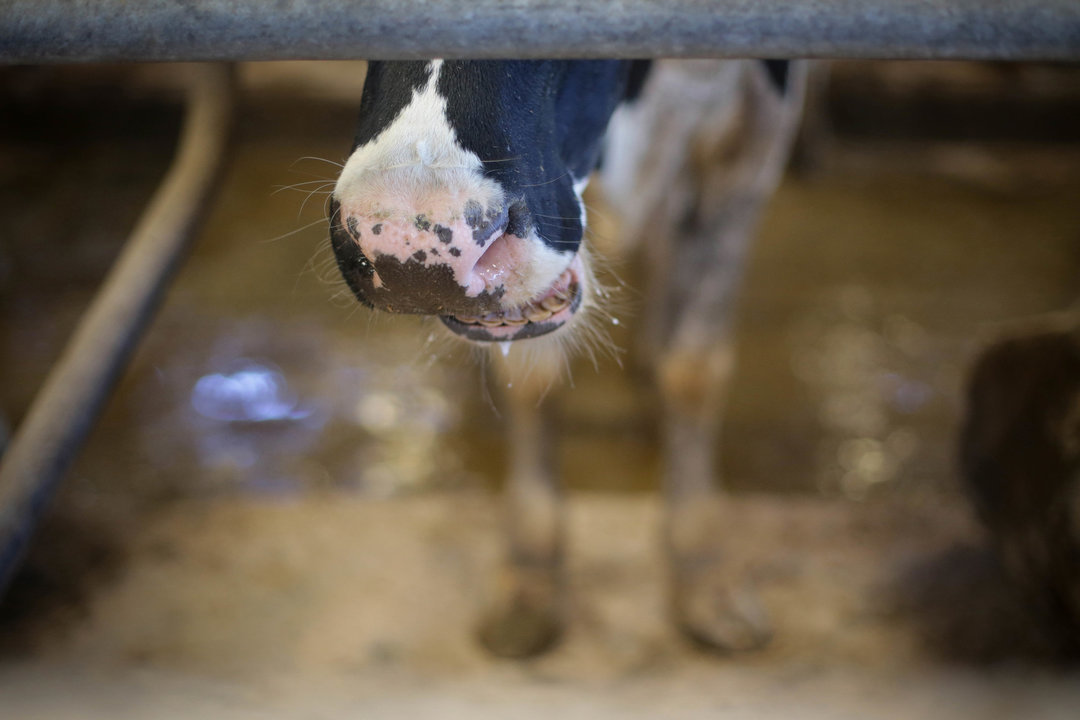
505, 253
495, 265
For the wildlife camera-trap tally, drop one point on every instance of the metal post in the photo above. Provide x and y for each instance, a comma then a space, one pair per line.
33, 31
67, 405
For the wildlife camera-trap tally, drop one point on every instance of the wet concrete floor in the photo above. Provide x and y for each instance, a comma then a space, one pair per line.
867, 292
872, 283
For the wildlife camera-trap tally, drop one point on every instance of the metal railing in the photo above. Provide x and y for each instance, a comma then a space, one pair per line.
36, 31
77, 387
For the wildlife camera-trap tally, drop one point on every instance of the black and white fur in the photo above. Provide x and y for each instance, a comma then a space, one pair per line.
464, 168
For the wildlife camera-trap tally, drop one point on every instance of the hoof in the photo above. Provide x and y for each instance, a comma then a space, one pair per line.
524, 622
718, 617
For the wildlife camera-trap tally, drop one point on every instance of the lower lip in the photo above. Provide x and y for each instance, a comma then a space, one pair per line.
505, 333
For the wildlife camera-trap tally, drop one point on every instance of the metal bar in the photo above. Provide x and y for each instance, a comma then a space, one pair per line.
67, 405
33, 31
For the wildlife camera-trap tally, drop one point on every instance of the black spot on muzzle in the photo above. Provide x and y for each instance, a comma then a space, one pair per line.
487, 223
403, 287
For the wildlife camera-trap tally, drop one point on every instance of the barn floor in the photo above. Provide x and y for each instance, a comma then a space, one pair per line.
320, 547
333, 607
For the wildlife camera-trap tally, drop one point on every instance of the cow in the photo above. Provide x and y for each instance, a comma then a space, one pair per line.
462, 199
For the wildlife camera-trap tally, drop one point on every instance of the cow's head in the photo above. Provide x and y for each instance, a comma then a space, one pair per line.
462, 197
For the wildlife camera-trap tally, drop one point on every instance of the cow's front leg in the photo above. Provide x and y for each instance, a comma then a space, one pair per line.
711, 600
526, 616
690, 340
697, 238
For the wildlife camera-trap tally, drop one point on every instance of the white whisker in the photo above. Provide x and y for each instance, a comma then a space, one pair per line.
319, 159
300, 229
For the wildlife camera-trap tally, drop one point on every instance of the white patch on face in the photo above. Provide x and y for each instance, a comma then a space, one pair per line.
419, 138
579, 191
416, 166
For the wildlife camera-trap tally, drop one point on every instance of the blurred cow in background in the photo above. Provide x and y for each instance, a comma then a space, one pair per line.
1020, 457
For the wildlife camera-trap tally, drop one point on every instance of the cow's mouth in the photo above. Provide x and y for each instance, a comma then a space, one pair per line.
546, 313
